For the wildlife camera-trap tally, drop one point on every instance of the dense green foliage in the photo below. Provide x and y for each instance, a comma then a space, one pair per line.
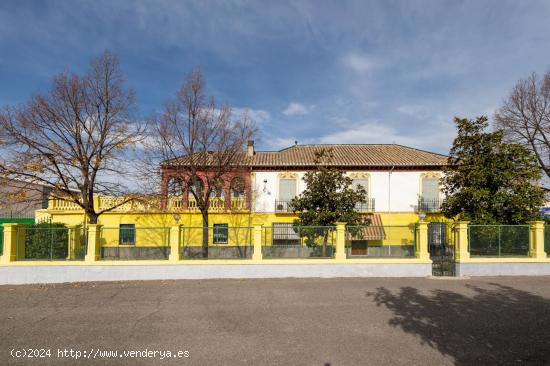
46, 241
499, 240
490, 181
327, 199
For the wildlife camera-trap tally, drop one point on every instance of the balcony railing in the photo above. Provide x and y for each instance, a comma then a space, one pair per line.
238, 203
365, 206
429, 205
173, 203
218, 204
283, 206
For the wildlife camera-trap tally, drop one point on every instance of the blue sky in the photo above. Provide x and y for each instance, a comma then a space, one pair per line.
312, 71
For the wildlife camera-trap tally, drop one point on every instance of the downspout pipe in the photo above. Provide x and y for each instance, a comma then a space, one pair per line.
389, 193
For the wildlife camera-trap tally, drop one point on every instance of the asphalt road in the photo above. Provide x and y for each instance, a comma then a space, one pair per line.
280, 322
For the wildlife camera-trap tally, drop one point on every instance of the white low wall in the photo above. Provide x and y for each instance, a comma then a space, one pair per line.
12, 275
503, 269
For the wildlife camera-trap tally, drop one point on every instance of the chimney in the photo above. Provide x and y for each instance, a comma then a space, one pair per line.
250, 150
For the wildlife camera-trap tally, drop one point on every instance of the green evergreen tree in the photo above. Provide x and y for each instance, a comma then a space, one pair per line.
489, 181
328, 198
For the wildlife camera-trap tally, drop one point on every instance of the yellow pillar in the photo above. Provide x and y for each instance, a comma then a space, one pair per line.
94, 246
461, 240
422, 240
175, 243
21, 234
340, 241
73, 242
11, 234
536, 249
257, 253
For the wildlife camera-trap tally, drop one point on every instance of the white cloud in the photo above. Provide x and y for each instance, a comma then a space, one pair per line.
374, 132
259, 116
297, 109
414, 110
358, 62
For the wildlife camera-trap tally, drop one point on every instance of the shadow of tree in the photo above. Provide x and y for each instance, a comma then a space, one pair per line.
496, 325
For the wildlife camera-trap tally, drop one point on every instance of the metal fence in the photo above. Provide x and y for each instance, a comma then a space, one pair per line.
366, 206
130, 243
429, 204
286, 240
283, 206
1, 239
219, 241
498, 240
50, 243
381, 241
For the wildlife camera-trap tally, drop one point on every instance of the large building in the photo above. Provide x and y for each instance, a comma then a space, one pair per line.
398, 179
20, 199
401, 183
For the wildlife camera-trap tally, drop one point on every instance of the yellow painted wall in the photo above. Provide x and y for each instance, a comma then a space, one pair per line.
149, 226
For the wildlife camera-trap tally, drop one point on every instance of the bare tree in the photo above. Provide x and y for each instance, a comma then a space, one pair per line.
73, 138
200, 142
525, 117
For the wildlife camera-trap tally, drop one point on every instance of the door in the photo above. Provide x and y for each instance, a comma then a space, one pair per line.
442, 249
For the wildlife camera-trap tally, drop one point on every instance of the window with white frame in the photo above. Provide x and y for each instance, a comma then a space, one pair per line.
363, 182
430, 189
287, 189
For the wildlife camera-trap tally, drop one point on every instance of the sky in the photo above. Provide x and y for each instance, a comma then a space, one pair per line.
308, 71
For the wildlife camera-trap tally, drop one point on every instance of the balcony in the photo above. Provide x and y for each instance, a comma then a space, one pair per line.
282, 206
365, 206
429, 205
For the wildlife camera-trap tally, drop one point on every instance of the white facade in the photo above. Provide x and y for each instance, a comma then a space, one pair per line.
396, 191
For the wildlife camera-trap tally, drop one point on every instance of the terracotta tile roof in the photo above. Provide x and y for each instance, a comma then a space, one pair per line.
345, 155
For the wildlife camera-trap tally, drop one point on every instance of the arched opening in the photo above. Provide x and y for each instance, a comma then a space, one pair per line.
175, 187
217, 195
238, 193
195, 188
174, 193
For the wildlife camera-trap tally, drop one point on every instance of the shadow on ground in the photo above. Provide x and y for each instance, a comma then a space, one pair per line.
495, 325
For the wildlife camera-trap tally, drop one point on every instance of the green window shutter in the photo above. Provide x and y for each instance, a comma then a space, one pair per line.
287, 189
221, 233
127, 234
430, 188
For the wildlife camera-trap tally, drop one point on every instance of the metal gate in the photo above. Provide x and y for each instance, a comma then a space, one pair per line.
442, 249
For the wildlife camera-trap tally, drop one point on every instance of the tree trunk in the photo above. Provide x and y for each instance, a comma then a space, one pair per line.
204, 234
92, 217
325, 239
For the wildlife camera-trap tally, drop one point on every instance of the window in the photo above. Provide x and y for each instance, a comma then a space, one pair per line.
430, 189
364, 183
284, 234
287, 189
127, 234
221, 232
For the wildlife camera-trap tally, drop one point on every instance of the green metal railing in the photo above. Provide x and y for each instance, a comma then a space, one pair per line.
54, 243
498, 240
381, 241
131, 243
291, 241
222, 242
